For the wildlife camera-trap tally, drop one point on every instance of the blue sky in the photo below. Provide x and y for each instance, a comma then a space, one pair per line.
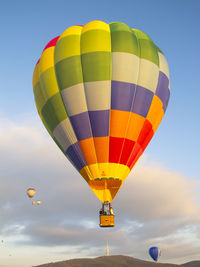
173, 25
27, 26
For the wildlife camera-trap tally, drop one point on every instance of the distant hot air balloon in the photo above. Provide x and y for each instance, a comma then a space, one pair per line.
38, 202
33, 202
155, 253
30, 192
101, 91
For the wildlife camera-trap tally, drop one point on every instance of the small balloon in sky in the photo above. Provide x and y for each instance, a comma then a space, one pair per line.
30, 192
155, 253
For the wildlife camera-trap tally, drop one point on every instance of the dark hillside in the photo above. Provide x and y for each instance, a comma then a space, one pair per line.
114, 261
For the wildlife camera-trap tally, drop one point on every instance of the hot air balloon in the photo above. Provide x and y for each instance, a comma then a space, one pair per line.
155, 253
33, 202
30, 192
101, 91
38, 202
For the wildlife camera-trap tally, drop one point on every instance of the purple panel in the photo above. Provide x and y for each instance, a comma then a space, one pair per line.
167, 100
162, 90
75, 154
142, 101
99, 120
122, 95
81, 125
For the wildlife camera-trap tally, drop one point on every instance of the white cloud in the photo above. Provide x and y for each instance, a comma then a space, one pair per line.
155, 206
153, 192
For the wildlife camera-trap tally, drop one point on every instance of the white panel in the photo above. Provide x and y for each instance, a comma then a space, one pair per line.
98, 95
74, 99
125, 67
163, 64
148, 75
64, 134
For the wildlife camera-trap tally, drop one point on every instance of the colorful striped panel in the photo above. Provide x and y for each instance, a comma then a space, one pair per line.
101, 91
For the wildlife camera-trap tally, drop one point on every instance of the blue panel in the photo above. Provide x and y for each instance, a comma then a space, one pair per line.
99, 120
162, 90
81, 126
142, 101
122, 95
75, 154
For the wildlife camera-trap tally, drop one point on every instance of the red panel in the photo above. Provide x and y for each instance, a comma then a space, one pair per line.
146, 129
52, 42
147, 140
115, 148
126, 151
135, 154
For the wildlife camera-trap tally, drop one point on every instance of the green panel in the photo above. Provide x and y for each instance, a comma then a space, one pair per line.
66, 47
96, 66
141, 35
119, 26
39, 98
69, 72
158, 49
48, 83
54, 111
148, 51
124, 41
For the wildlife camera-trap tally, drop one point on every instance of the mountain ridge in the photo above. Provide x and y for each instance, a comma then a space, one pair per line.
114, 261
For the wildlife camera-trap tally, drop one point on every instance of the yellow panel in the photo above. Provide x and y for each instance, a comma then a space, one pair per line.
105, 190
118, 123
73, 30
155, 113
109, 183
94, 169
114, 170
68, 47
47, 59
85, 172
94, 41
96, 25
134, 126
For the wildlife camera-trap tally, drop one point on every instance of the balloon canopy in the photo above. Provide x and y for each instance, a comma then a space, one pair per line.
155, 253
101, 91
30, 192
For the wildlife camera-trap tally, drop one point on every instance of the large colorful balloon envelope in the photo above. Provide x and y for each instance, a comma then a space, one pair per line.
155, 253
101, 91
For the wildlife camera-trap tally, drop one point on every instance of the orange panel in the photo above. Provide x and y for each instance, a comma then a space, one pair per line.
102, 148
134, 127
88, 149
155, 112
118, 123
